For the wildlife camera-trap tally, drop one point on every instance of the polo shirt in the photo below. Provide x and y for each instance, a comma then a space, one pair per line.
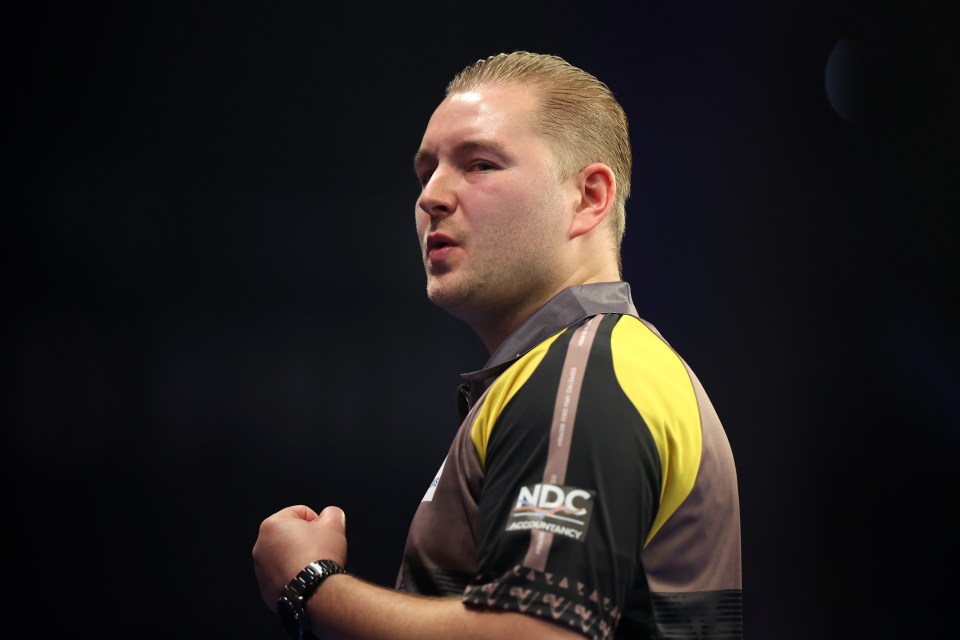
590, 483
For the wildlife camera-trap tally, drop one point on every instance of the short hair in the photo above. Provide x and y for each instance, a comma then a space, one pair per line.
577, 113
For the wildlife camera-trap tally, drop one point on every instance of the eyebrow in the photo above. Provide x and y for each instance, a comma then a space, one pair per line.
462, 148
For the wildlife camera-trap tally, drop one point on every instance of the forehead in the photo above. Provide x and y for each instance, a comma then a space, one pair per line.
503, 112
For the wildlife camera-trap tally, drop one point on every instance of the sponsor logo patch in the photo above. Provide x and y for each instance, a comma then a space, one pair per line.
428, 496
559, 509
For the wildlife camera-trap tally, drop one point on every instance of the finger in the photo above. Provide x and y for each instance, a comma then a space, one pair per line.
309, 514
334, 516
298, 512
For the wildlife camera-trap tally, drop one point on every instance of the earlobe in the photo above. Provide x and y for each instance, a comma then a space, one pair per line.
597, 188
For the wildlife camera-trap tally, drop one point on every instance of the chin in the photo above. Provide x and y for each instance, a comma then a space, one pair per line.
453, 300
442, 297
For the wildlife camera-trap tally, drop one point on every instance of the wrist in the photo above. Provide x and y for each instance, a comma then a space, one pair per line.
291, 605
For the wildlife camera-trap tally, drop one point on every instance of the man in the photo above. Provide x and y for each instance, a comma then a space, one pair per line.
591, 490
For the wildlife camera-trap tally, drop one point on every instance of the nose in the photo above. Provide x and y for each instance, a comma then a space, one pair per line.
438, 197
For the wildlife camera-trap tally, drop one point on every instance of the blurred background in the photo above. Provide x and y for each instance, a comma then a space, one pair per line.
215, 304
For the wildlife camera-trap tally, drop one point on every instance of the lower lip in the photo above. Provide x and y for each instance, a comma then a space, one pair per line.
440, 253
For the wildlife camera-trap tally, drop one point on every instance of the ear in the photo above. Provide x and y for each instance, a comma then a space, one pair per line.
596, 188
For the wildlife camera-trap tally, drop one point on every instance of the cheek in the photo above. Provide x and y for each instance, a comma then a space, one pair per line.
493, 203
420, 220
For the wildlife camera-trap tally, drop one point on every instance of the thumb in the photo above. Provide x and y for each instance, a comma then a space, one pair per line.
335, 517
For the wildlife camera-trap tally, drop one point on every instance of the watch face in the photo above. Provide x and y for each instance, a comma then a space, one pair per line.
291, 617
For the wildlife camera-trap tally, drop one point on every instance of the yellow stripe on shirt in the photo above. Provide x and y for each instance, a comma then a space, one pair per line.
656, 382
503, 389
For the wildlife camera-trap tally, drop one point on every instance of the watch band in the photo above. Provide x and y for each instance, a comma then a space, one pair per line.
293, 597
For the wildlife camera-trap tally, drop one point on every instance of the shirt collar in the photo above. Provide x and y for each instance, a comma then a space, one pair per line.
566, 308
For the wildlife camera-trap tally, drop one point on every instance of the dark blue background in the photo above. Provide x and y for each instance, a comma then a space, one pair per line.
216, 307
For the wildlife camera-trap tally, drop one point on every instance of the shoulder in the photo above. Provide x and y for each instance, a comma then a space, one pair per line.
648, 369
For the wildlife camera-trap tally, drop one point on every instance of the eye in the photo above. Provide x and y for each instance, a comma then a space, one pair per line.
424, 178
481, 165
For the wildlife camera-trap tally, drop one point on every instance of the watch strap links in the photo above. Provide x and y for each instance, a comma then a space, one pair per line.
294, 595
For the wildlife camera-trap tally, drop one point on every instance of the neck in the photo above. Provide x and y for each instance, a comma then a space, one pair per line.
494, 328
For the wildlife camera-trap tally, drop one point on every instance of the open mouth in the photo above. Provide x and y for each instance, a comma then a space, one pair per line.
439, 241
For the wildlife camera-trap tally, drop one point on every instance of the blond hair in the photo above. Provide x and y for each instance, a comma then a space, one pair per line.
577, 113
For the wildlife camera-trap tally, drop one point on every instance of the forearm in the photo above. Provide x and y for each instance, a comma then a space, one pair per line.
347, 608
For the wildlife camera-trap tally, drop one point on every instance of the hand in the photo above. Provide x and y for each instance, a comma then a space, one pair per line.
291, 539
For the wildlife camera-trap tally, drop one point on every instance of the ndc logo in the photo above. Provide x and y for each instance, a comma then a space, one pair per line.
555, 508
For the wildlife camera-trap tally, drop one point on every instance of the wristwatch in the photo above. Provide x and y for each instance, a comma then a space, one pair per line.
293, 596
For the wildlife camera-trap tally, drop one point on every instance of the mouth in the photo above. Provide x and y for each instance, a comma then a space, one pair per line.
439, 246
437, 241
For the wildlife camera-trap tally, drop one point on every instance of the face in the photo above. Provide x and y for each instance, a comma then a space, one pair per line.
492, 213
